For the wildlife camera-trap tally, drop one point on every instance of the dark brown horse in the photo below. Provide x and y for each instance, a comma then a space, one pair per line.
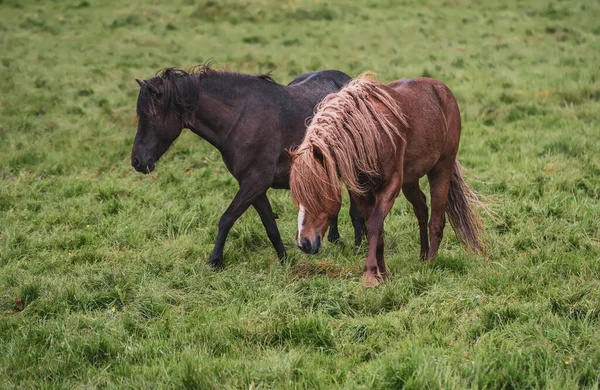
250, 119
380, 139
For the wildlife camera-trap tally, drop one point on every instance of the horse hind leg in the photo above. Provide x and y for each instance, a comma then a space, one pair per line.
416, 197
439, 182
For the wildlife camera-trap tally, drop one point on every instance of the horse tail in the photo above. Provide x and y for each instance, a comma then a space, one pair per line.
465, 221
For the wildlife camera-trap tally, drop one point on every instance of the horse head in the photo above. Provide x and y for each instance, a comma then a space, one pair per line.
317, 195
166, 104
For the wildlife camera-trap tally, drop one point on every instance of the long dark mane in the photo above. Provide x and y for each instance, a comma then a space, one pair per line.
175, 91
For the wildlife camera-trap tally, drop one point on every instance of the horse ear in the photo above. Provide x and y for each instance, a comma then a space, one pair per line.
153, 88
140, 82
290, 153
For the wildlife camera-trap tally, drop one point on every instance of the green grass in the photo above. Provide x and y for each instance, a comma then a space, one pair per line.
104, 279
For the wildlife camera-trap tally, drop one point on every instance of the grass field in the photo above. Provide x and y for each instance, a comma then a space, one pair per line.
104, 279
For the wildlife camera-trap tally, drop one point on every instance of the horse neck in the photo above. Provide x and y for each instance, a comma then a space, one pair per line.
223, 98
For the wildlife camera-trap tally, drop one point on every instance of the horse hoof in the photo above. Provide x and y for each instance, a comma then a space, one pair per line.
428, 259
216, 264
283, 258
370, 280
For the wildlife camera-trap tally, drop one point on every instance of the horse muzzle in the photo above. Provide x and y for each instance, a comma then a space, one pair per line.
308, 246
141, 167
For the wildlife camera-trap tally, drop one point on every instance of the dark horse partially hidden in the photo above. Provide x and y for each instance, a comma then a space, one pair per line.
250, 119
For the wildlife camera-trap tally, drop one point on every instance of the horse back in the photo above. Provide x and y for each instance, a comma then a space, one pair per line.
303, 94
434, 123
328, 80
422, 87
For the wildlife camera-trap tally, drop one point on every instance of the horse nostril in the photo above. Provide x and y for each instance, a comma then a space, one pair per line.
135, 162
317, 244
306, 245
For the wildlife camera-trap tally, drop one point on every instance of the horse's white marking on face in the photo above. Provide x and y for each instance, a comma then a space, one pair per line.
301, 213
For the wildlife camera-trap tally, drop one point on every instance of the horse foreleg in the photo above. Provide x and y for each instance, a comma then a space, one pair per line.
375, 269
358, 222
250, 190
334, 233
439, 183
263, 207
416, 197
366, 204
375, 209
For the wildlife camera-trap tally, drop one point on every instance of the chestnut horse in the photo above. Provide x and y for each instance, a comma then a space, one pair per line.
379, 139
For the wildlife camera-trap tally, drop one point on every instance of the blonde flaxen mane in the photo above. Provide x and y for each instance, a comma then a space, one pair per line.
346, 133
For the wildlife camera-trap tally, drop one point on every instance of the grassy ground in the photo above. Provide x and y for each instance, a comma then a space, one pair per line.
103, 272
